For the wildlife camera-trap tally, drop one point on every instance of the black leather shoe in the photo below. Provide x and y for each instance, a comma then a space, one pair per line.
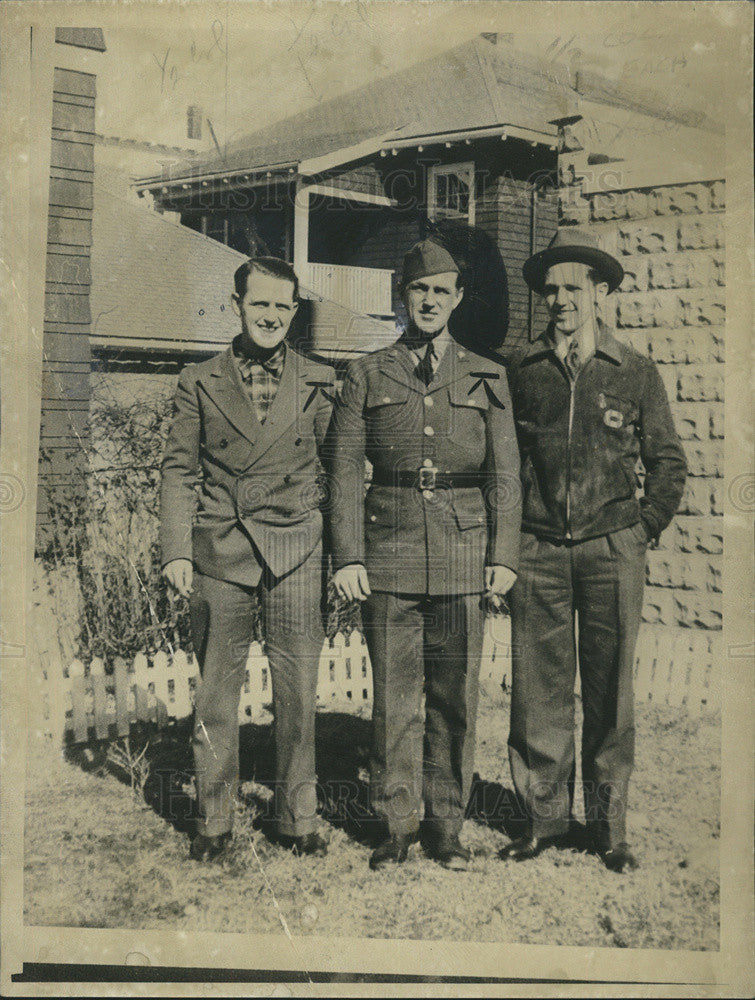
393, 851
526, 848
309, 843
208, 848
452, 856
619, 858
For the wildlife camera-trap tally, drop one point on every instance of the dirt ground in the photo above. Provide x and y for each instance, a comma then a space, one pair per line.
98, 855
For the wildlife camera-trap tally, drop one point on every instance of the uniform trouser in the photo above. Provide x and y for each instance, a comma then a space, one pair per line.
221, 630
601, 582
436, 643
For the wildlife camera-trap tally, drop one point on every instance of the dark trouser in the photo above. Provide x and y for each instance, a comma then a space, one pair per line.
221, 630
435, 643
601, 580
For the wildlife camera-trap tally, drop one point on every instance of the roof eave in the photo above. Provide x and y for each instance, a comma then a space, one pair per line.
236, 177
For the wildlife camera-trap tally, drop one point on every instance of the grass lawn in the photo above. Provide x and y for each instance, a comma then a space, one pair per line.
97, 855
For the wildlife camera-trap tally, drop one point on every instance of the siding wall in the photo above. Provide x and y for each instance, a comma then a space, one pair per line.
505, 212
393, 234
67, 320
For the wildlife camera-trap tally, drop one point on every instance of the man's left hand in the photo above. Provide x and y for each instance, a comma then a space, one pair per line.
498, 581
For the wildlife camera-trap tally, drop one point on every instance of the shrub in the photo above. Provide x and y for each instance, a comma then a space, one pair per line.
104, 528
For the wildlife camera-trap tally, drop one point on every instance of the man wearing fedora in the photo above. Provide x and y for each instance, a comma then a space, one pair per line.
438, 528
240, 523
586, 408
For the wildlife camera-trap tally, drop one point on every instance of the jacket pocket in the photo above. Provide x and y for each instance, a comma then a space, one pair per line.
385, 392
469, 509
386, 408
467, 394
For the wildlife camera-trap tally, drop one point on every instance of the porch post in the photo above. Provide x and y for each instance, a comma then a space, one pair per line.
301, 231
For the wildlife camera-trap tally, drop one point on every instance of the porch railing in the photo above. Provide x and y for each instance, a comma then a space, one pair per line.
362, 289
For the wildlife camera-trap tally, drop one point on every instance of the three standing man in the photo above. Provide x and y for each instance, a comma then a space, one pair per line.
437, 534
438, 528
586, 408
240, 521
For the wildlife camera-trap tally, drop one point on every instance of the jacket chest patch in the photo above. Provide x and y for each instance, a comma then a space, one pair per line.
613, 418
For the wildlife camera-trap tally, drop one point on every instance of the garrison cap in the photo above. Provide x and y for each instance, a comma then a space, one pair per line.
424, 258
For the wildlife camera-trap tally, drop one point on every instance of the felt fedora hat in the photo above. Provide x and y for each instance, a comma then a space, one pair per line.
576, 245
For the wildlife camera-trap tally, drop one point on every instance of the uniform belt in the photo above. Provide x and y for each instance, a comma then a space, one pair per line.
428, 478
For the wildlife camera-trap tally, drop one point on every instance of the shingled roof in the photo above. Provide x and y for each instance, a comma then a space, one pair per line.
480, 83
163, 289
157, 285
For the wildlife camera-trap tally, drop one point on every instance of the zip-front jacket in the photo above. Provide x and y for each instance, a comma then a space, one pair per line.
579, 443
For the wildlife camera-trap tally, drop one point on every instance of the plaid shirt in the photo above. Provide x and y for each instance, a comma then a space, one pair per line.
261, 378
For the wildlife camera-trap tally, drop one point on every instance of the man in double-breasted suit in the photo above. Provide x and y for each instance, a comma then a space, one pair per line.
439, 527
240, 519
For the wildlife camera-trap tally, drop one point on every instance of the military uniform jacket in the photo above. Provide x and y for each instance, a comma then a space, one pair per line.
414, 540
235, 491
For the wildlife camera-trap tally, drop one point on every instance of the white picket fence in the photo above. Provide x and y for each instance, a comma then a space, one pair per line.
674, 667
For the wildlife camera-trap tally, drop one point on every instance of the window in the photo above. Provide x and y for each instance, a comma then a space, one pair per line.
450, 192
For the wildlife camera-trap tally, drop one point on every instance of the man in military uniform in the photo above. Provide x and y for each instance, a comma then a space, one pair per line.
246, 428
438, 528
586, 407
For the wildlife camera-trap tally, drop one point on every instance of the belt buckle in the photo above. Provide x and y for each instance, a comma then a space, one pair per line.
427, 476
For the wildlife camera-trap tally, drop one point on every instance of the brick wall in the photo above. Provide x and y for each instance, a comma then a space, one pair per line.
671, 307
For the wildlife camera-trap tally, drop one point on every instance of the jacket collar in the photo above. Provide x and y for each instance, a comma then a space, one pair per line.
399, 362
606, 344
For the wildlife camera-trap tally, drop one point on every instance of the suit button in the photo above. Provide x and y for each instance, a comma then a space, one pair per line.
428, 400
223, 443
373, 517
429, 431
287, 479
386, 399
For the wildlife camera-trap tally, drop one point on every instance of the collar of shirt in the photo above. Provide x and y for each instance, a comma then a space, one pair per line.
273, 363
440, 345
586, 341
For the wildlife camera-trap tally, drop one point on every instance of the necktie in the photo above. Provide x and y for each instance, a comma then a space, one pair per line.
425, 369
572, 361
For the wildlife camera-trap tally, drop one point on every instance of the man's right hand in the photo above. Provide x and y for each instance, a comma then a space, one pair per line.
351, 582
179, 573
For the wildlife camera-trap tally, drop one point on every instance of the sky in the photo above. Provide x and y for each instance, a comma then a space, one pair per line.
248, 63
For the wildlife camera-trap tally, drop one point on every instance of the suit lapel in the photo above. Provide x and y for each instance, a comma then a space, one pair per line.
224, 387
399, 363
464, 372
454, 365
